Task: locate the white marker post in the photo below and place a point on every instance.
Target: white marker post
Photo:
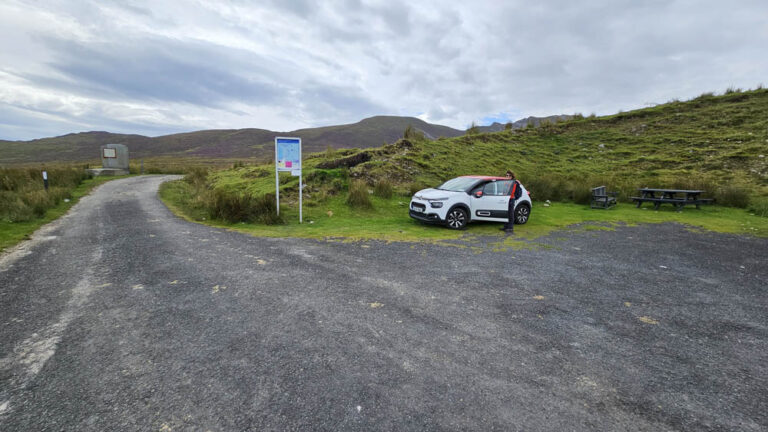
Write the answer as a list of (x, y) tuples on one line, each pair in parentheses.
[(288, 158)]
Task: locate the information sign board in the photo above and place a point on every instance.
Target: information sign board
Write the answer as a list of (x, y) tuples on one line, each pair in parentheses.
[(288, 152), (109, 153), (288, 158)]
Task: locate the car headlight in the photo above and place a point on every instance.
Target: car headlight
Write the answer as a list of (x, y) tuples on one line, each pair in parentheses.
[(436, 204)]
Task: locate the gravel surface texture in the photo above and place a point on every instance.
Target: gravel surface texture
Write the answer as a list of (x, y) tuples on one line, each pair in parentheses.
[(121, 316)]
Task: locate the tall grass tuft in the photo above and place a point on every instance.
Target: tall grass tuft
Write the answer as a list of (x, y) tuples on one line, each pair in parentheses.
[(415, 187), (732, 196), (759, 207), (412, 134), (23, 196), (197, 177), (358, 195), (383, 189), (233, 207)]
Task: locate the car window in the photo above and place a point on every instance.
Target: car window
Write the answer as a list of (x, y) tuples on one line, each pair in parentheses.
[(459, 184), (489, 188), (504, 187)]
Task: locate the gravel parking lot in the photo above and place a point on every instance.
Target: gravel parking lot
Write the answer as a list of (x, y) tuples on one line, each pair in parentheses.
[(121, 316)]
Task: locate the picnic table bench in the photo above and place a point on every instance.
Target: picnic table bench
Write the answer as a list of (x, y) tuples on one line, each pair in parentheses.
[(692, 197), (602, 199)]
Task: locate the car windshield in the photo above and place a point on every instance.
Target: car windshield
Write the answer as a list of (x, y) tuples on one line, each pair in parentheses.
[(459, 184)]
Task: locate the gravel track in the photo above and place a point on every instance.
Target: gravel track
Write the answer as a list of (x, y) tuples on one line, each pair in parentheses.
[(121, 316)]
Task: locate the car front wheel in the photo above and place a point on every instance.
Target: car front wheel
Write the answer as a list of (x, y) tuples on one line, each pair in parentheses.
[(456, 218), (521, 214)]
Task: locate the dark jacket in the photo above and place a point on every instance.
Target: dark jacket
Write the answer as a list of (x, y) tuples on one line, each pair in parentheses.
[(516, 191)]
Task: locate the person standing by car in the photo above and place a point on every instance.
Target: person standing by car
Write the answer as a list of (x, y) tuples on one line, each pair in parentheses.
[(515, 192)]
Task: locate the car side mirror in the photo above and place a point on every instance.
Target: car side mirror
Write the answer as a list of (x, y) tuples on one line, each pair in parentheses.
[(478, 194)]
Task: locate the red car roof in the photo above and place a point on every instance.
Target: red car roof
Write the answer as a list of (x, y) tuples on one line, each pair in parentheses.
[(485, 177)]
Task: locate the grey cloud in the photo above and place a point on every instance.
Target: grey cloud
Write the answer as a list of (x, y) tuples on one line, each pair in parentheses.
[(328, 103), (164, 70), (454, 61)]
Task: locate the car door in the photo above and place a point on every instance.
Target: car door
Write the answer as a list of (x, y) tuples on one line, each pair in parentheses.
[(490, 201)]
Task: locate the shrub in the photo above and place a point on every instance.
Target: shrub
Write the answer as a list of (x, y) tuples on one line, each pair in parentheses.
[(383, 189), (759, 207), (237, 207), (412, 134), (358, 195), (415, 187), (13, 209), (580, 193), (22, 196), (196, 177), (546, 187), (732, 196)]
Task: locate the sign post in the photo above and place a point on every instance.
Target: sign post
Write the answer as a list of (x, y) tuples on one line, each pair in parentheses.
[(45, 180), (288, 158)]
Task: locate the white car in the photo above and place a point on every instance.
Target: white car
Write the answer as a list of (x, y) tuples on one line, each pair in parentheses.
[(459, 201)]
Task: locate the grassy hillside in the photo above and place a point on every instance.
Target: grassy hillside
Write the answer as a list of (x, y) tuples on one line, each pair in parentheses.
[(209, 144), (715, 143)]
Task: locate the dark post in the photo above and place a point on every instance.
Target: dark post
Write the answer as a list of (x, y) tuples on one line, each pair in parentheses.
[(142, 166), (45, 180)]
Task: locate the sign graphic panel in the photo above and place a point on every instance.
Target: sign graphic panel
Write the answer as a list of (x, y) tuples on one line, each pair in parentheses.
[(288, 154)]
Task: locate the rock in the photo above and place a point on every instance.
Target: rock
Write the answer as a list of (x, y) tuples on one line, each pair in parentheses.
[(546, 205), (548, 202), (760, 156), (602, 146)]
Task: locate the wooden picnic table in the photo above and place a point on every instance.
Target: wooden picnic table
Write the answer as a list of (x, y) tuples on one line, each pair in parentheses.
[(659, 196)]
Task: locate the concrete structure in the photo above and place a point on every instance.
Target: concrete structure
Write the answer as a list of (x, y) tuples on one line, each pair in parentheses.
[(114, 161)]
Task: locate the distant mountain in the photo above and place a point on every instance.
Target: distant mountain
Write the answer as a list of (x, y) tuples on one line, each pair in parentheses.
[(227, 143), (536, 121)]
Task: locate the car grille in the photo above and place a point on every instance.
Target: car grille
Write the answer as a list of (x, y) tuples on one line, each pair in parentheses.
[(419, 206)]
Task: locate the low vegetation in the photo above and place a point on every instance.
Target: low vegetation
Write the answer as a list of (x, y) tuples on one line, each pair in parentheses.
[(712, 143), (25, 206), (23, 196), (358, 195)]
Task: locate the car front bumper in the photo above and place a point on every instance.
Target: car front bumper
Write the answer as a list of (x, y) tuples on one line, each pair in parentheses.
[(427, 213), (426, 217)]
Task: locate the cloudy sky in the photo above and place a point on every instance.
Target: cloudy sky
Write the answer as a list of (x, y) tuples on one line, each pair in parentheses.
[(156, 67)]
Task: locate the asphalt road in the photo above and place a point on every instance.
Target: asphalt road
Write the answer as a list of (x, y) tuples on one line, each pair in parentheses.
[(121, 316)]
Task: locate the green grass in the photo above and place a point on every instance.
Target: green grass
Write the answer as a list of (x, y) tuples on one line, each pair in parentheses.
[(388, 220), (713, 143), (12, 233)]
